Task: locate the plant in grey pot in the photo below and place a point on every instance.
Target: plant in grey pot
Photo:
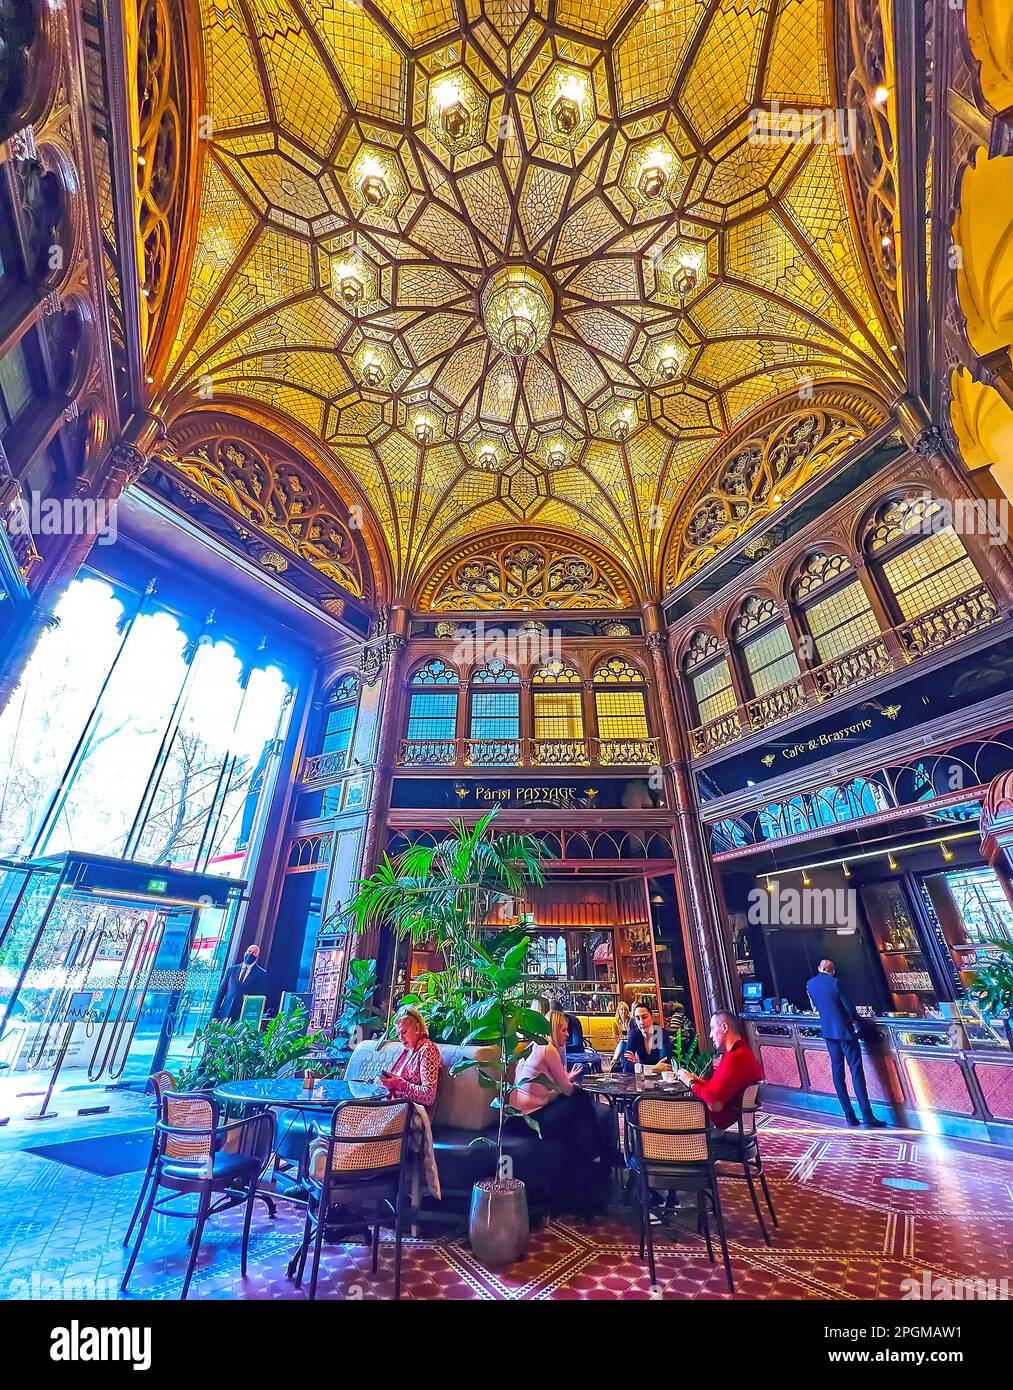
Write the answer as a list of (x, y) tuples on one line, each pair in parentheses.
[(501, 1020)]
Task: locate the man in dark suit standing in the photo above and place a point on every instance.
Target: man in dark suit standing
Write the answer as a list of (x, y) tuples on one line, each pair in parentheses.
[(838, 1024), (243, 978)]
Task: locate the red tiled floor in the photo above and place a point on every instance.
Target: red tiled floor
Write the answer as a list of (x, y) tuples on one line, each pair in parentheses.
[(844, 1234)]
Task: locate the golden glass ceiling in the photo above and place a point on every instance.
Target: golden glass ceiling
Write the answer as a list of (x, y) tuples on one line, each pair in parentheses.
[(512, 271)]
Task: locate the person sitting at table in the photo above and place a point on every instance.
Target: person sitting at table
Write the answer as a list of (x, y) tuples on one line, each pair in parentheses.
[(620, 1028), (415, 1075), (735, 1070), (544, 1089), (646, 1043)]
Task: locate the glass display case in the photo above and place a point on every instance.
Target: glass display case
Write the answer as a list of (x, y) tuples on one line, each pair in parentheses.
[(900, 950)]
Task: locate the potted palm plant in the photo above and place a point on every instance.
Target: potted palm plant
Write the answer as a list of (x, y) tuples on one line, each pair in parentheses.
[(441, 896), (503, 1021), (359, 1018)]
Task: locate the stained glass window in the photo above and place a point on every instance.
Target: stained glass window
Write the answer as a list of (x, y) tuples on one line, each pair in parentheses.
[(713, 691), (622, 714), (841, 621), (339, 723), (558, 715), (432, 715), (495, 714), (924, 575), (770, 660)]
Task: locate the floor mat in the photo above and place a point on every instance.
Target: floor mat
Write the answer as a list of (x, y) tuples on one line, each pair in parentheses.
[(107, 1156)]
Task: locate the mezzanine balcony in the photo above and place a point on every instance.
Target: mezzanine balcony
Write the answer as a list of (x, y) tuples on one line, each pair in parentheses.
[(941, 626), (529, 752)]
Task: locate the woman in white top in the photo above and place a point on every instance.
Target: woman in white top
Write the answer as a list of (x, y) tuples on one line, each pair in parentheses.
[(545, 1096)]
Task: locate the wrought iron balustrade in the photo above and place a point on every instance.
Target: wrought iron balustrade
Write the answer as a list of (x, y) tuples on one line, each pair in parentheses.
[(845, 672), (717, 733), (956, 618), (777, 704), (428, 752), (322, 765), (492, 752), (627, 752), (559, 752)]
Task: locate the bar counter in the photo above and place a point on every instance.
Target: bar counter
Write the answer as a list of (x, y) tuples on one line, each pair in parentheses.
[(939, 1075)]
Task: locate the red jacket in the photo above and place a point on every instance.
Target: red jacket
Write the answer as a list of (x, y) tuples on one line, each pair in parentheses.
[(736, 1069)]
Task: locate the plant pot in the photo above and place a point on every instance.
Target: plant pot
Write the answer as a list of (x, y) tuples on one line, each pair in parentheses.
[(498, 1222)]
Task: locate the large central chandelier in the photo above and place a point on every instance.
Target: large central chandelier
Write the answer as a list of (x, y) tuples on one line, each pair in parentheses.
[(517, 310)]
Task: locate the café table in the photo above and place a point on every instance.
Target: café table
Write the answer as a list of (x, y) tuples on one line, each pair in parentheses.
[(289, 1093)]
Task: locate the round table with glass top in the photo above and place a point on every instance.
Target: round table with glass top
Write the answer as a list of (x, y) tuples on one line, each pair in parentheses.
[(290, 1093)]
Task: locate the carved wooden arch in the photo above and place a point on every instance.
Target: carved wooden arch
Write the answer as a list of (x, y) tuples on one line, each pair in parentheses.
[(279, 489), (682, 648), (733, 612), (525, 570), (775, 451), (908, 490), (831, 549), (33, 57)]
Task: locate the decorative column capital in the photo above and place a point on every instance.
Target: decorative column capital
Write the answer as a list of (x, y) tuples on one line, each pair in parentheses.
[(127, 464)]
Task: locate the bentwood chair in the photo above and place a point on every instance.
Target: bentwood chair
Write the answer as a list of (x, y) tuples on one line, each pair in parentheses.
[(737, 1152), (158, 1083), (672, 1151), (362, 1163), (199, 1155)]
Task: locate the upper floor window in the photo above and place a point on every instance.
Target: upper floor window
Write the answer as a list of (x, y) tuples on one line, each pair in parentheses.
[(919, 557), (621, 712), (710, 678), (766, 645), (432, 713), (339, 720), (834, 606), (495, 714), (556, 672)]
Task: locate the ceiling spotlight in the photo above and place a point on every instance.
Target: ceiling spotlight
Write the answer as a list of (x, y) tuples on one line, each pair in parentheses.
[(945, 850), (350, 286), (671, 360), (373, 182), (892, 860), (372, 369), (847, 869), (422, 428), (622, 424), (568, 111), (767, 883), (454, 116), (487, 454), (655, 174), (557, 452), (806, 879)]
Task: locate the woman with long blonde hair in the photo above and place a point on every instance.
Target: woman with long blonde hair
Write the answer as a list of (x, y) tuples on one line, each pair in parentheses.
[(415, 1075)]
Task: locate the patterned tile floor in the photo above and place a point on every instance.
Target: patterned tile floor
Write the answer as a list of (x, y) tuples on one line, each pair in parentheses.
[(859, 1212)]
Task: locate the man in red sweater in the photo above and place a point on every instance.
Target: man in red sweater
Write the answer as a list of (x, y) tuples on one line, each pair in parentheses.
[(735, 1069)]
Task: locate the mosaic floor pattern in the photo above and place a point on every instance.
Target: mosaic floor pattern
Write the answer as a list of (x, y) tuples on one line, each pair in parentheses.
[(859, 1213)]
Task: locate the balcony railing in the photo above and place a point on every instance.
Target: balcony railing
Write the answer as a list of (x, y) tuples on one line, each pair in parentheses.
[(529, 752), (322, 765), (957, 618)]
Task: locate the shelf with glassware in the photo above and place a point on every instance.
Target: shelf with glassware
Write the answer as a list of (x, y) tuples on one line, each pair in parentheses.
[(901, 955)]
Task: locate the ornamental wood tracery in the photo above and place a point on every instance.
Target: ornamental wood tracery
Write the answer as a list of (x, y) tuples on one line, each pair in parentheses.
[(525, 571)]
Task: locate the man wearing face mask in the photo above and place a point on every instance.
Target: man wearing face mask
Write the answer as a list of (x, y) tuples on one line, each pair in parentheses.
[(243, 978)]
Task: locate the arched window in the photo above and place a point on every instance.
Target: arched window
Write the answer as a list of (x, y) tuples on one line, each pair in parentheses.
[(710, 678), (432, 711), (834, 607), (557, 711), (620, 703), (494, 723), (918, 557), (338, 727), (765, 644)]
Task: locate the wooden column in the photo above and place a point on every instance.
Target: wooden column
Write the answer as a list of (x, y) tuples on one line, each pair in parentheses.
[(710, 980), (382, 660)]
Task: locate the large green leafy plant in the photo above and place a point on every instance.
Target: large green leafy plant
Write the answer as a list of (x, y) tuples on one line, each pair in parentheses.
[(501, 1019), (441, 896), (992, 985), (239, 1051), (359, 1017)]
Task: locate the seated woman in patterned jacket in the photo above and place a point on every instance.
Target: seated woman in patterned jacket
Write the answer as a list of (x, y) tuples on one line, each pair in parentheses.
[(415, 1074)]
